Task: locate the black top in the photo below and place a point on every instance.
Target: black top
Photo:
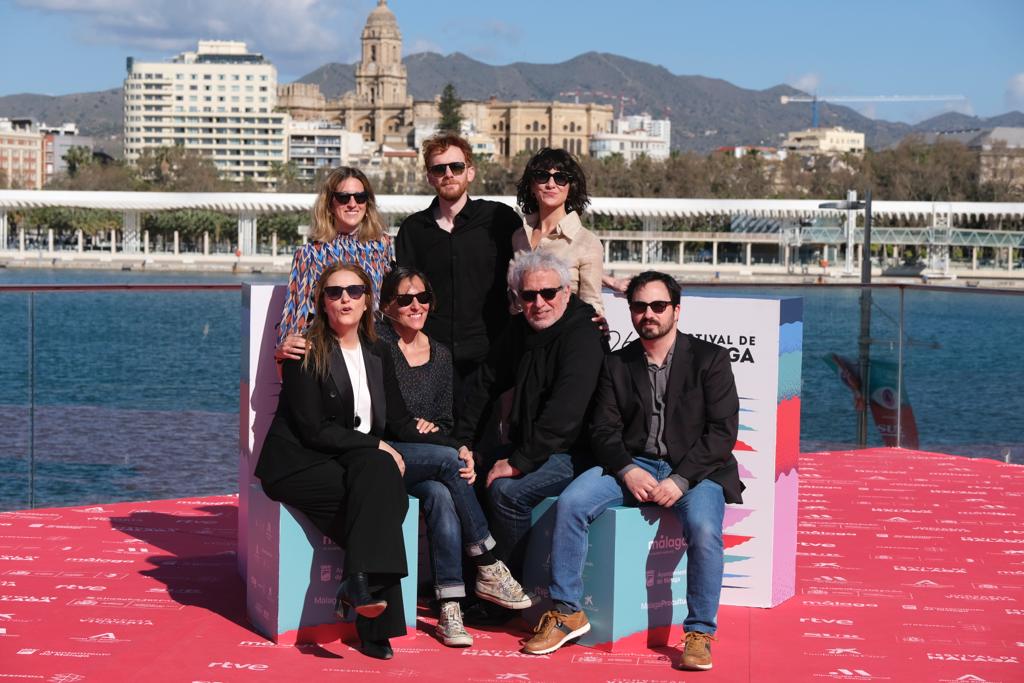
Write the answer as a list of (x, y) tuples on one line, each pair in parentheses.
[(315, 417), (554, 372), (467, 268), (427, 388)]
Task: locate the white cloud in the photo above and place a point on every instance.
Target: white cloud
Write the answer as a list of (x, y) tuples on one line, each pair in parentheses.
[(294, 34), (1014, 97), (808, 83), (421, 45)]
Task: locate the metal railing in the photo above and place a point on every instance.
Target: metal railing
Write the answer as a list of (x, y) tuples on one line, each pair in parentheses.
[(118, 392)]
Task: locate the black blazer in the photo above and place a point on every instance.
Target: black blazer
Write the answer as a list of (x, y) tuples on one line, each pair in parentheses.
[(314, 419), (701, 420)]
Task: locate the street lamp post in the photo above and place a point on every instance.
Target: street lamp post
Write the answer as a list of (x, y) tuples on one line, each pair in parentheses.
[(851, 206)]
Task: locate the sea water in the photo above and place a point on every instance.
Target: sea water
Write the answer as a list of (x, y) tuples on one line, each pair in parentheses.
[(131, 394)]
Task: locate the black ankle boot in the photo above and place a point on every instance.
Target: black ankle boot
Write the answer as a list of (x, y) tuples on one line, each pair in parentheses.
[(354, 593), (378, 649)]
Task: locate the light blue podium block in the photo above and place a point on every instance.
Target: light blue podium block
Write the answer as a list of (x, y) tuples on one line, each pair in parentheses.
[(293, 571), (634, 576)]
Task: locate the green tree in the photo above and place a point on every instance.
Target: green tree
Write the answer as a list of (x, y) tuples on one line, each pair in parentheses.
[(78, 158), (450, 107), (176, 169)]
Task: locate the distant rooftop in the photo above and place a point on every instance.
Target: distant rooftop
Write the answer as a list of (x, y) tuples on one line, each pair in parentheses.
[(982, 138), (220, 52)]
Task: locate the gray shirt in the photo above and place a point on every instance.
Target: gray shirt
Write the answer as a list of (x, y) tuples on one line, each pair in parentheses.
[(655, 447)]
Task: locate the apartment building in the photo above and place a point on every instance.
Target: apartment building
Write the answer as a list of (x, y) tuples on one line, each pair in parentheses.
[(318, 146), (634, 136), (57, 142), (21, 154), (219, 101), (827, 141)]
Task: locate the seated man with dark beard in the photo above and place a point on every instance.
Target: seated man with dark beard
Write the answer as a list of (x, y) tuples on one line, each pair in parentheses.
[(664, 424)]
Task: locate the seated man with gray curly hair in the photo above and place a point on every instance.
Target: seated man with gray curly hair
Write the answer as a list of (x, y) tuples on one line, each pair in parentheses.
[(551, 356)]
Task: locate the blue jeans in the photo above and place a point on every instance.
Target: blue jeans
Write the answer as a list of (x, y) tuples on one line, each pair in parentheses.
[(454, 519), (512, 500), (701, 510)]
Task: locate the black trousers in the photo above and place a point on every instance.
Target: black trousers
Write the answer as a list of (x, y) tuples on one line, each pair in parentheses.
[(360, 505)]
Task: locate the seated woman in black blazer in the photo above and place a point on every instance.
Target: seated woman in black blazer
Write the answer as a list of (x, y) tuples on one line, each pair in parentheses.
[(325, 453)]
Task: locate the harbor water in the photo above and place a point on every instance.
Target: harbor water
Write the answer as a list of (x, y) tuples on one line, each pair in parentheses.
[(134, 394)]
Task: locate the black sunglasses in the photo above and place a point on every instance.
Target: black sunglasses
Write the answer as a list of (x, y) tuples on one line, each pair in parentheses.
[(334, 292), (541, 177), (640, 307), (456, 167), (530, 295), (424, 298), (343, 197)]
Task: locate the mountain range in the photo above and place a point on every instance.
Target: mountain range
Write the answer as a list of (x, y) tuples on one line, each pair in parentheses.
[(706, 113)]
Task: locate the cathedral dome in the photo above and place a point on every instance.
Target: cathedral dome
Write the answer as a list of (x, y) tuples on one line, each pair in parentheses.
[(381, 16)]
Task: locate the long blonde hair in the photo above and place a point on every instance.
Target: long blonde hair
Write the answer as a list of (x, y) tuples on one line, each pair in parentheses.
[(320, 337), (322, 227)]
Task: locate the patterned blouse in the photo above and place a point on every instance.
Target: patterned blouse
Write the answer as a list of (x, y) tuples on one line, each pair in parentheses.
[(313, 258)]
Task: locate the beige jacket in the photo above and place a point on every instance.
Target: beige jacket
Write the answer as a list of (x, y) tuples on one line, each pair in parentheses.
[(577, 246)]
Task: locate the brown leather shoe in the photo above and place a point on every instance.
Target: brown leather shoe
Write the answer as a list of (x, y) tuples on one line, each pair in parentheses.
[(696, 652), (555, 630)]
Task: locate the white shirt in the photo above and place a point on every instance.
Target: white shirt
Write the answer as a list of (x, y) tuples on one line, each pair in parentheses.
[(360, 389)]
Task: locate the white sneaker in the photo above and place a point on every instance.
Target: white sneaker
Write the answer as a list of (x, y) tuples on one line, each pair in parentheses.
[(494, 583), (449, 626)]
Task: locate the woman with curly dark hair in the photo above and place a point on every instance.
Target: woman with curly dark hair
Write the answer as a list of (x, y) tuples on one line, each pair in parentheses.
[(552, 195)]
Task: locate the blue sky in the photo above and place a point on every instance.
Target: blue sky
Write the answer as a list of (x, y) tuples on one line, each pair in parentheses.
[(898, 47)]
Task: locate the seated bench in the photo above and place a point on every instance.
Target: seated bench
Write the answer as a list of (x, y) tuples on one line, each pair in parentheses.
[(293, 572)]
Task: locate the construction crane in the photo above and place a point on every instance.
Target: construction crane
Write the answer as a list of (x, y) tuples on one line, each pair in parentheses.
[(814, 99)]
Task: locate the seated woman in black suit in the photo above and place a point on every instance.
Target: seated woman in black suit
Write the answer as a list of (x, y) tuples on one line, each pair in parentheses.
[(325, 452)]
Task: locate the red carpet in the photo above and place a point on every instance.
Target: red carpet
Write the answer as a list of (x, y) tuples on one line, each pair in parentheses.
[(910, 568)]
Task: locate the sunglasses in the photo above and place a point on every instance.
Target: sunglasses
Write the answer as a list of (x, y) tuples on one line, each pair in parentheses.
[(334, 292), (640, 307), (541, 177), (456, 167), (424, 298), (530, 295), (343, 197)]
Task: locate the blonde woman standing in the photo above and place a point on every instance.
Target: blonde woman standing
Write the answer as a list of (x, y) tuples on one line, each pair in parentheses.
[(345, 227)]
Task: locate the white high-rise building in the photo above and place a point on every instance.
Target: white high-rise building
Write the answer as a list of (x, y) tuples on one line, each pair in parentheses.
[(218, 100)]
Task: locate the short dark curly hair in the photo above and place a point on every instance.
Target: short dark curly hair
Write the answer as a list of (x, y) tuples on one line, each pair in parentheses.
[(560, 160), (648, 276)]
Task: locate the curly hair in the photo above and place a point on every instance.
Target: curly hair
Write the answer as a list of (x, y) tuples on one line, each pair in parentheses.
[(560, 160), (439, 144)]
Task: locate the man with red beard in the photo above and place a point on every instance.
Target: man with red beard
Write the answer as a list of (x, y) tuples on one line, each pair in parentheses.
[(464, 246)]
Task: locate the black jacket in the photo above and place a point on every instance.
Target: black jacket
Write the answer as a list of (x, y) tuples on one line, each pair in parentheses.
[(466, 268), (314, 419), (554, 372), (701, 413)]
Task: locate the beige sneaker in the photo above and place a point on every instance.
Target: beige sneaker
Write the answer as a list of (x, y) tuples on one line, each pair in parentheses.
[(696, 652), (494, 583), (555, 630), (449, 626)]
